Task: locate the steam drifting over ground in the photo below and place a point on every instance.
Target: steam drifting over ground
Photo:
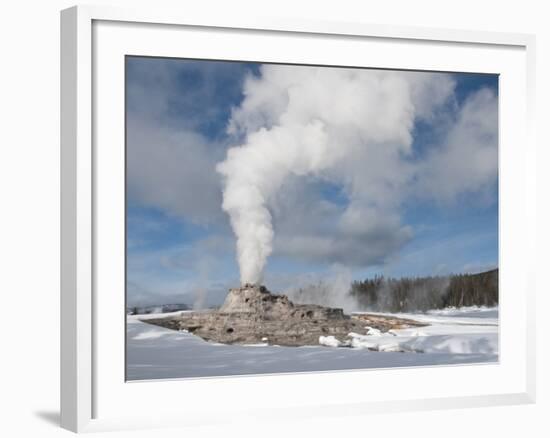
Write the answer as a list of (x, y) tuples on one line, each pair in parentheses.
[(331, 290)]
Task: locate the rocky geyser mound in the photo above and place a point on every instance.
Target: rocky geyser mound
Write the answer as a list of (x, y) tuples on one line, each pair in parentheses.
[(251, 314)]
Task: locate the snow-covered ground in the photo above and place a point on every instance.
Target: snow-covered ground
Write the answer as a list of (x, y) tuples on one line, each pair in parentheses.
[(454, 336)]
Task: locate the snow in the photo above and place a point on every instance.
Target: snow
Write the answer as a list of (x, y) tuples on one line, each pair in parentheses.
[(392, 346), (152, 334), (329, 341), (468, 330), (446, 344), (371, 331), (454, 336), (156, 315), (476, 311)]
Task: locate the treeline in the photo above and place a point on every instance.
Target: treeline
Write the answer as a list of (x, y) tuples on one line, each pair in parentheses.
[(423, 293)]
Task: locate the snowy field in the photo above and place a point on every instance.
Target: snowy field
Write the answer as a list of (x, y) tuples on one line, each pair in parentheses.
[(454, 336)]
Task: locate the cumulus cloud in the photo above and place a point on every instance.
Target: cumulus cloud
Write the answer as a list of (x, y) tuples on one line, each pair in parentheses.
[(183, 94), (466, 161), (173, 171), (310, 228), (176, 115)]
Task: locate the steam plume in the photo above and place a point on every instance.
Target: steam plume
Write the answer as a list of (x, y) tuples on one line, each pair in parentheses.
[(316, 121)]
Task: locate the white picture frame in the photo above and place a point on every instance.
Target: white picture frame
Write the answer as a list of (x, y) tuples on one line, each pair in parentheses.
[(93, 395)]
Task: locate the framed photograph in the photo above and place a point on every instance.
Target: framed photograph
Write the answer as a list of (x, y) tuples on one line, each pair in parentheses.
[(253, 209)]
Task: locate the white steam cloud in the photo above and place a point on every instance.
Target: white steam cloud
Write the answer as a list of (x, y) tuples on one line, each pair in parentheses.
[(330, 289), (350, 127)]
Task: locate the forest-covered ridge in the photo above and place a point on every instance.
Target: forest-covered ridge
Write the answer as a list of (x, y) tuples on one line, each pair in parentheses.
[(412, 294)]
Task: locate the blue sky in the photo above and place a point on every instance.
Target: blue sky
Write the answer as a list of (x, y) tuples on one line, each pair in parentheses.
[(180, 245)]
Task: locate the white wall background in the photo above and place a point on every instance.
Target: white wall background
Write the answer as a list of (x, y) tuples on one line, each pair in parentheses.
[(29, 216)]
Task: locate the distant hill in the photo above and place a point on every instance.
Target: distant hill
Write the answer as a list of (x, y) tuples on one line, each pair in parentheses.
[(410, 294)]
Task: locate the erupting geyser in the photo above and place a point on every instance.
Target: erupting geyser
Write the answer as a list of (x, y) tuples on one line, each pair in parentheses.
[(253, 173)]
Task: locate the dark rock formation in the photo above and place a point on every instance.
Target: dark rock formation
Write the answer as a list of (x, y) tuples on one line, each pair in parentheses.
[(251, 314)]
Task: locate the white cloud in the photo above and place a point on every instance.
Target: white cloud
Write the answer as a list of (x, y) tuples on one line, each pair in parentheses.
[(174, 111), (466, 161), (311, 229), (173, 171)]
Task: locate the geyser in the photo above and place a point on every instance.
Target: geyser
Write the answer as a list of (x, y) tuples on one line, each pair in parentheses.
[(252, 314)]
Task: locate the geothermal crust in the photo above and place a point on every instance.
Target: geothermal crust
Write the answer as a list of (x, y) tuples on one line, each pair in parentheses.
[(251, 314)]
